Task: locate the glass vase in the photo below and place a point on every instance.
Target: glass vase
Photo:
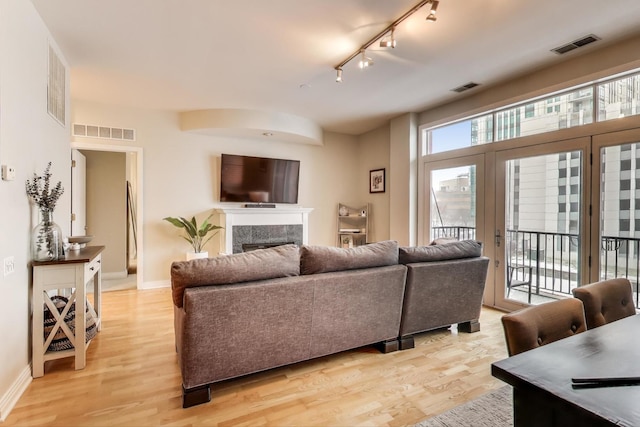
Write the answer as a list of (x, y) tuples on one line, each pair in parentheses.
[(46, 238)]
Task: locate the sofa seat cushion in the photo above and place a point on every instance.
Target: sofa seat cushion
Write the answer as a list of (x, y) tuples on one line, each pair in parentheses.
[(271, 263), (452, 250), (324, 259)]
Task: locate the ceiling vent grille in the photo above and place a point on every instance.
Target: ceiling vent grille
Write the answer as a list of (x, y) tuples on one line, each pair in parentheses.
[(575, 44), (464, 87), (91, 131)]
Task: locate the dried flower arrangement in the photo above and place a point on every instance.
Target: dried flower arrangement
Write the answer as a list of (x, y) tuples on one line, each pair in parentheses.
[(40, 191), (47, 236)]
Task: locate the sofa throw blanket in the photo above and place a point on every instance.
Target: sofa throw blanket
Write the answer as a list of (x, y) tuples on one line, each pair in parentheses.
[(261, 264), (324, 259), (442, 252), (60, 340)]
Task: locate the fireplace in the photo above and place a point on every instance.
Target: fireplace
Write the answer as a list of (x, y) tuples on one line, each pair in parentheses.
[(262, 227)]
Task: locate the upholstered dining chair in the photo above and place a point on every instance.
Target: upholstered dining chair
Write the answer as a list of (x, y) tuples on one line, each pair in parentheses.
[(542, 324), (606, 301)]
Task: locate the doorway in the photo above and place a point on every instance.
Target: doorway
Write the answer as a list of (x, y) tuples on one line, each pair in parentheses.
[(128, 186)]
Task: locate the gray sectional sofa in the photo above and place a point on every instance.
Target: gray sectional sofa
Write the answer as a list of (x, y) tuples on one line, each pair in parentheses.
[(249, 312)]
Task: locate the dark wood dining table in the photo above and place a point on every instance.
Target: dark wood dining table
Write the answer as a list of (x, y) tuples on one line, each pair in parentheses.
[(543, 393)]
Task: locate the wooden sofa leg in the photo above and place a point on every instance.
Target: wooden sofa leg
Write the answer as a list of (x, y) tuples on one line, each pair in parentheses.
[(407, 342), (471, 326), (388, 346), (195, 396)]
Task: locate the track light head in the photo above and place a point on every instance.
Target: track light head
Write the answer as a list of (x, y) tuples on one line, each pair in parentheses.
[(365, 61), (339, 75), (432, 17), (390, 42)]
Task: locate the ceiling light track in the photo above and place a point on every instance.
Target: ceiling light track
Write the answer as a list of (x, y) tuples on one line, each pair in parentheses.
[(386, 43)]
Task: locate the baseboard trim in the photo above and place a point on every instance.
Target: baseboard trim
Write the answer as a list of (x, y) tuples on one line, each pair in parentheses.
[(115, 275), (156, 284), (11, 397)]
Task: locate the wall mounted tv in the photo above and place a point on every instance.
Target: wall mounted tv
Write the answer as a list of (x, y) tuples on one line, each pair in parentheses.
[(258, 179)]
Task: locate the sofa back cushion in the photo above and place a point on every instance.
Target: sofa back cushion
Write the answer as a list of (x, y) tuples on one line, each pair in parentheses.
[(271, 263), (442, 252), (324, 259)]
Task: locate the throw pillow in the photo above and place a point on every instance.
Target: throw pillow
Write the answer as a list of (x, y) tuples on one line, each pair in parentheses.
[(323, 259), (451, 250), (271, 263)]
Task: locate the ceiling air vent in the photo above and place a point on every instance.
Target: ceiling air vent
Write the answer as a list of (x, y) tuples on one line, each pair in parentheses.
[(575, 44), (91, 131), (467, 86)]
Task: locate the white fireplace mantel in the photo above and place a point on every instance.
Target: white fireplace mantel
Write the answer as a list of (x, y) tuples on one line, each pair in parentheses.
[(234, 216)]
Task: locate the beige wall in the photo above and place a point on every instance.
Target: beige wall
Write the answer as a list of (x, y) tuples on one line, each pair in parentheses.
[(180, 176), (29, 138), (107, 209), (373, 153)]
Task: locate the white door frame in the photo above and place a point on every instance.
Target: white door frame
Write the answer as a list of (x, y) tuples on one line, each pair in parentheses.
[(139, 207)]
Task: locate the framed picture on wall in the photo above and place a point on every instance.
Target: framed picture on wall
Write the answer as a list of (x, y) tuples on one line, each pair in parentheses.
[(376, 181)]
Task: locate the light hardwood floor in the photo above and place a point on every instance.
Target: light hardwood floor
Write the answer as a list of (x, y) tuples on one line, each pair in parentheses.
[(132, 379)]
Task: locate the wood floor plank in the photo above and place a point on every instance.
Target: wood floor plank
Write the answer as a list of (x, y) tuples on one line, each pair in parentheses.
[(132, 378)]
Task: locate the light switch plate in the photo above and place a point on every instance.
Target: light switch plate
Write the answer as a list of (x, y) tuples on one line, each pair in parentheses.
[(8, 173)]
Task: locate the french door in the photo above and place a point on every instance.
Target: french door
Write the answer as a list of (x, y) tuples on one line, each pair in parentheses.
[(454, 201), (541, 238), (616, 206)]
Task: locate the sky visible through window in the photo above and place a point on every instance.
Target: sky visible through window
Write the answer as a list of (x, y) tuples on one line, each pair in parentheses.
[(448, 138), (451, 137)]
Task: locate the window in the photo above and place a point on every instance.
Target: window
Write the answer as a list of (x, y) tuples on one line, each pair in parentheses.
[(625, 184), (625, 204)]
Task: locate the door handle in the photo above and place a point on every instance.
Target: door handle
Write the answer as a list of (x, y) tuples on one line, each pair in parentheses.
[(498, 237)]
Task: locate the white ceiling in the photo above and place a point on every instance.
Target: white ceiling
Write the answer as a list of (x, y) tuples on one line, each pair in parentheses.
[(279, 55)]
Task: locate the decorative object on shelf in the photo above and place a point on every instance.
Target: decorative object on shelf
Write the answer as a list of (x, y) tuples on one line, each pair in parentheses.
[(78, 242), (46, 237), (352, 225), (197, 236), (377, 181)]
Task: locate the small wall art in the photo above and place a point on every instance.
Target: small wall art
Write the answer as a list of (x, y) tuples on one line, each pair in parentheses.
[(377, 181)]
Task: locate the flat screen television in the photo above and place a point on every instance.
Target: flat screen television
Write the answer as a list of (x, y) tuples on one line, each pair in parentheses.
[(258, 179)]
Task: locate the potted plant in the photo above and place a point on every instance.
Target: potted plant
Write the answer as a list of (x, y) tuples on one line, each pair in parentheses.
[(197, 236)]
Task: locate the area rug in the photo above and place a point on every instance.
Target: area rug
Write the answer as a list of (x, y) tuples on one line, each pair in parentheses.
[(493, 409)]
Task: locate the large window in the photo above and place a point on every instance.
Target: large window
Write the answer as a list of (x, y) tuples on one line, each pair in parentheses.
[(574, 107)]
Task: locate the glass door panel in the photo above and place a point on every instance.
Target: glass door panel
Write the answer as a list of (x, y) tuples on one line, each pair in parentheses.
[(453, 208), (617, 171), (539, 218)]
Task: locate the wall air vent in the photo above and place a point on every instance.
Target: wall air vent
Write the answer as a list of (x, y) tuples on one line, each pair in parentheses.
[(56, 87), (575, 44), (467, 86), (91, 131)]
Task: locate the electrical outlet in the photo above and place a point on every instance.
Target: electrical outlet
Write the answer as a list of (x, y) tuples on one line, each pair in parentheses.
[(9, 265)]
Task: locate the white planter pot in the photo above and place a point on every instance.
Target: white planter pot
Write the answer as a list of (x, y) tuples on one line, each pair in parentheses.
[(197, 255)]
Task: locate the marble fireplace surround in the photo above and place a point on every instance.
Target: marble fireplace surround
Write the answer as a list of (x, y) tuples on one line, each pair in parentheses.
[(242, 225)]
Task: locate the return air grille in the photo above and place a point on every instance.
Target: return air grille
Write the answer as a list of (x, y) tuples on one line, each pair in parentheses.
[(91, 131), (467, 86), (575, 44)]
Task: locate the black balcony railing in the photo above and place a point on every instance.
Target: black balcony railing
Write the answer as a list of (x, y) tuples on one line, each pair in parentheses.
[(554, 258)]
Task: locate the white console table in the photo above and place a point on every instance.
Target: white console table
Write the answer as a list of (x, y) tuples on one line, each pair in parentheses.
[(72, 272)]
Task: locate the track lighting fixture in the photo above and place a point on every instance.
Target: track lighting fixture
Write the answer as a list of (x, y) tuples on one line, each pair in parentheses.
[(432, 14), (365, 61), (390, 42)]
